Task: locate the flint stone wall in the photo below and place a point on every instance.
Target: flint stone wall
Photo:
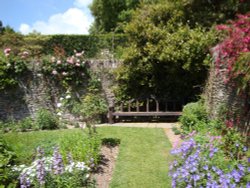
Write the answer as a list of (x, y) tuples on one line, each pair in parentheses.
[(35, 91), (219, 95)]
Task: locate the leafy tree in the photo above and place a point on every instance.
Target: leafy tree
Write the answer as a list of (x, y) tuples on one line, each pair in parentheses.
[(166, 56), (10, 39), (110, 15), (106, 14), (1, 27), (168, 48), (210, 12)]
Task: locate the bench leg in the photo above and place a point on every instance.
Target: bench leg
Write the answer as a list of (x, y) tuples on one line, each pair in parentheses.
[(111, 116)]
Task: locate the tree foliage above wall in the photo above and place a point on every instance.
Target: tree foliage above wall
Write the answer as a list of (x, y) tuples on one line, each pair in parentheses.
[(110, 15), (168, 53)]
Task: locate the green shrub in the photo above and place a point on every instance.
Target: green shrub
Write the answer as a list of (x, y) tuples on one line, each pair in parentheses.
[(8, 126), (234, 144), (7, 160), (194, 117), (111, 142), (46, 120), (12, 66), (91, 44), (82, 147), (91, 108), (26, 124)]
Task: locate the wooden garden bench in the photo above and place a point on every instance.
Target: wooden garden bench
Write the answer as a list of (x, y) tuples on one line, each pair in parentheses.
[(145, 108)]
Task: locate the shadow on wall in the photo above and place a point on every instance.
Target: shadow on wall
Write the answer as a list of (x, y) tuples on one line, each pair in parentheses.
[(13, 105)]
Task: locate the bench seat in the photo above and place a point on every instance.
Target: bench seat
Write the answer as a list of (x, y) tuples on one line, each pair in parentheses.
[(117, 113)]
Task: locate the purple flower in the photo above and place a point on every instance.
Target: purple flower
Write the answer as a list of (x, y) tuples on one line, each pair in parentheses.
[(233, 185), (173, 184), (40, 152), (57, 165), (205, 167), (241, 167), (248, 185), (219, 172), (196, 177), (212, 152), (24, 181), (40, 171), (244, 148), (236, 175)]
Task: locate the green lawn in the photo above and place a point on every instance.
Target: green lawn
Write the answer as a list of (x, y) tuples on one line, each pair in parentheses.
[(143, 157)]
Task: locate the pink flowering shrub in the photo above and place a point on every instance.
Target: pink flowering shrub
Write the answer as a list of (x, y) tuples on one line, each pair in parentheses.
[(235, 45), (233, 56), (12, 66), (67, 70)]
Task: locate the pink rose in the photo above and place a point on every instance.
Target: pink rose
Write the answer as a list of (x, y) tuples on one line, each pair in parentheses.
[(25, 53), (7, 50), (54, 72), (70, 60)]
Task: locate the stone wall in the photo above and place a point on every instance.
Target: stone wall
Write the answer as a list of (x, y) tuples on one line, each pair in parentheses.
[(219, 95), (35, 91)]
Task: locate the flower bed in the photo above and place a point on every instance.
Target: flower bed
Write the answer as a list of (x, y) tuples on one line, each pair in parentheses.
[(201, 162)]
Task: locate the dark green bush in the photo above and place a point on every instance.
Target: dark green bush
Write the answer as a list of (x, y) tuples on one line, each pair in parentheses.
[(26, 124), (111, 142), (46, 120), (194, 116), (7, 160)]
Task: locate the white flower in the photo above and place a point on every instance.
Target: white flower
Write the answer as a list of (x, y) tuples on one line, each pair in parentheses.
[(59, 105), (68, 97), (54, 72), (70, 167), (81, 166), (59, 113), (61, 98), (64, 73), (53, 59)]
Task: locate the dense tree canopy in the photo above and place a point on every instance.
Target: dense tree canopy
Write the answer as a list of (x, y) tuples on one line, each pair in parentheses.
[(110, 15), (168, 49)]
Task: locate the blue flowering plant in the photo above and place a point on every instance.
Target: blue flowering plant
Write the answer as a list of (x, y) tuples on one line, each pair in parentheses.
[(201, 162), (53, 171)]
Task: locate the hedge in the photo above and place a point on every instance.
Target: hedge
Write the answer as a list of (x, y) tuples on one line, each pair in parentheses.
[(91, 44)]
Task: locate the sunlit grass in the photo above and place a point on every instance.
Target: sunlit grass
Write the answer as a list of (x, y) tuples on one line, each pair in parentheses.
[(143, 156)]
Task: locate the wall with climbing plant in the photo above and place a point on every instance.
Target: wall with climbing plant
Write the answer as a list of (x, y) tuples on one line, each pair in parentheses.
[(54, 82), (227, 92)]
